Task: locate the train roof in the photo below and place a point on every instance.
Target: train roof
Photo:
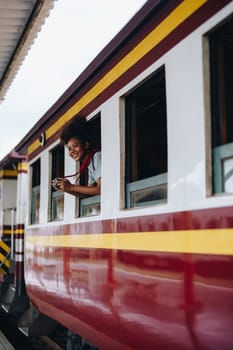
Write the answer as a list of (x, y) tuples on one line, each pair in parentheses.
[(11, 160), (20, 22)]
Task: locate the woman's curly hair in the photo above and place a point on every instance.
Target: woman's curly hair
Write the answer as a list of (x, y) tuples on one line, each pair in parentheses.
[(78, 128)]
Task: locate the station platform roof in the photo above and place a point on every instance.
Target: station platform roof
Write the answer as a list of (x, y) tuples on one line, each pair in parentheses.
[(20, 22)]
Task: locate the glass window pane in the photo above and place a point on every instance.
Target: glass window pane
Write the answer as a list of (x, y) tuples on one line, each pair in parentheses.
[(57, 206)]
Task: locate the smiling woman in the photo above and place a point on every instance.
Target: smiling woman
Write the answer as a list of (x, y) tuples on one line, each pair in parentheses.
[(77, 138)]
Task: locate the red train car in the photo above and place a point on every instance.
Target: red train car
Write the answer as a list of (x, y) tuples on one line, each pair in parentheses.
[(148, 263)]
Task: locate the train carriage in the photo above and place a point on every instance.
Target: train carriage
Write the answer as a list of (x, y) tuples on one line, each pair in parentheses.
[(147, 263)]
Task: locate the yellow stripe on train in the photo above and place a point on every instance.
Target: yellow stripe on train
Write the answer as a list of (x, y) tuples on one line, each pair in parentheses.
[(8, 173), (22, 167), (210, 241)]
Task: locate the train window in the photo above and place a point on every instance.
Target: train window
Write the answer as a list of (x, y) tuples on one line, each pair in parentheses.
[(57, 197), (221, 68), (146, 143), (90, 206), (35, 192)]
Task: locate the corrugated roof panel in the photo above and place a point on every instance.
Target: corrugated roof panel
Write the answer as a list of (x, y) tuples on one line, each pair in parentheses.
[(20, 22)]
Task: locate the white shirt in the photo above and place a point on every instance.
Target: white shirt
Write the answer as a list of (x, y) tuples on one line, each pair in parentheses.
[(94, 168)]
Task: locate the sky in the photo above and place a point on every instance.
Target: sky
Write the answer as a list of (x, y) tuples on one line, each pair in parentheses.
[(73, 34)]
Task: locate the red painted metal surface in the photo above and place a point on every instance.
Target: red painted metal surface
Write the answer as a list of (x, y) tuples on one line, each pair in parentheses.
[(120, 299)]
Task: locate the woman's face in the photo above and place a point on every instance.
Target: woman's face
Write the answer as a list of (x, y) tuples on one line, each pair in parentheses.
[(77, 149)]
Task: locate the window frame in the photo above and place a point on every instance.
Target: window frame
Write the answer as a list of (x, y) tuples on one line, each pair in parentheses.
[(81, 204), (35, 190), (152, 181), (220, 100), (54, 172)]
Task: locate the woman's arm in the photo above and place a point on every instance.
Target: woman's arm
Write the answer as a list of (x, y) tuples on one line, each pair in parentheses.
[(90, 190)]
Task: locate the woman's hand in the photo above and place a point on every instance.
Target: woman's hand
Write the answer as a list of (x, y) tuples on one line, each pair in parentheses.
[(81, 191), (61, 184)]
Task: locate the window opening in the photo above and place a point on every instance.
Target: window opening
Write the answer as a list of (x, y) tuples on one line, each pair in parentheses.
[(57, 197), (146, 143), (90, 206), (221, 68), (35, 192)]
